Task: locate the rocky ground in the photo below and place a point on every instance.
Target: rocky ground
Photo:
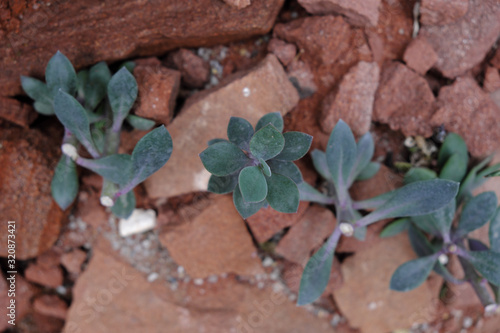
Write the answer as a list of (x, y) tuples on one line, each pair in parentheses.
[(397, 68)]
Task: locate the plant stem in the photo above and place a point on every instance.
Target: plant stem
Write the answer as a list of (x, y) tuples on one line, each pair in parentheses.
[(477, 283)]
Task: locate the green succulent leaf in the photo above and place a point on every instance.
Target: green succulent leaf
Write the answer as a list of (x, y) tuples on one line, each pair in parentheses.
[(369, 171), (317, 272), (453, 144), (39, 92), (494, 174), (365, 149), (341, 155), (239, 132), (419, 242), (81, 80), (267, 142), (477, 212), (418, 174), (320, 164), (216, 140), (286, 168), (455, 168), (95, 86), (122, 93), (273, 118), (74, 117), (395, 227), (487, 263), (472, 180), (360, 233), (222, 185), (140, 123), (282, 194), (297, 144), (266, 170), (477, 245), (309, 193), (252, 183), (246, 209), (64, 185), (439, 222), (494, 231), (60, 75), (124, 205), (115, 168), (412, 274), (419, 198), (223, 158)]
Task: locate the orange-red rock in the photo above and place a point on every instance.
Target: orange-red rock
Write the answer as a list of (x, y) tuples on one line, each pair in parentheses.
[(491, 79), (16, 112), (51, 306), (357, 12), (283, 50), (420, 56), (464, 108), (194, 70), (404, 100), (441, 12), (73, 261), (48, 276)]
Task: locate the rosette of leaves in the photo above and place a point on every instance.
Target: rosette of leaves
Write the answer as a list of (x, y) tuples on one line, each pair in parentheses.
[(344, 162), (92, 106), (434, 237), (257, 165)]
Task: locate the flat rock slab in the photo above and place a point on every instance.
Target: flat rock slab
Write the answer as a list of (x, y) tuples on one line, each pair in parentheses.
[(111, 296), (214, 242), (365, 298), (91, 31), (357, 12), (464, 43), (205, 116)]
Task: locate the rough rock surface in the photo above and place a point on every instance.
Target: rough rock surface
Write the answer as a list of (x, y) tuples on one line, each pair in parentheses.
[(357, 12), (73, 261), (28, 160), (205, 116), (404, 100), (283, 50), (384, 181), (89, 32), (267, 222), (463, 44), (352, 100), (51, 306), (420, 56), (302, 77), (158, 89), (308, 234), (113, 294), (464, 108), (441, 12), (491, 79), (214, 242), (238, 3), (365, 298), (16, 112), (194, 70), (24, 292), (48, 276)]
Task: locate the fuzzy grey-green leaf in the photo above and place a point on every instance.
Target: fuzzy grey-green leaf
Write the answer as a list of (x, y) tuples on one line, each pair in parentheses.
[(494, 232), (417, 174), (282, 194), (122, 93), (223, 184), (115, 168), (223, 158), (95, 86), (365, 150), (124, 205), (64, 185), (286, 168), (60, 74), (297, 144), (266, 170), (487, 263), (252, 183), (273, 118), (395, 227), (477, 212), (267, 142), (453, 144), (369, 171), (341, 154), (455, 168), (39, 92), (140, 123), (239, 132), (319, 162), (413, 273), (246, 209)]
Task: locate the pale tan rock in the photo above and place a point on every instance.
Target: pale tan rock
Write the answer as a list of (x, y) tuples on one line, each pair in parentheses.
[(51, 306), (205, 116)]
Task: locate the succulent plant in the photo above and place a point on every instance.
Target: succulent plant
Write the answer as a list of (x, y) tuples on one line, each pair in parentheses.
[(435, 237), (92, 106), (344, 162), (257, 165)]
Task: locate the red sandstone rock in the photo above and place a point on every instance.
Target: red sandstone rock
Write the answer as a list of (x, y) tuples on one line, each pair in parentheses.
[(214, 242), (238, 3), (384, 181), (24, 292), (420, 56), (89, 32), (404, 101), (28, 160), (491, 79), (194, 70), (267, 222), (50, 306), (158, 89), (463, 44), (283, 50), (73, 261), (352, 100), (16, 112), (263, 89), (357, 12), (464, 108), (309, 233), (46, 276), (302, 77), (441, 12)]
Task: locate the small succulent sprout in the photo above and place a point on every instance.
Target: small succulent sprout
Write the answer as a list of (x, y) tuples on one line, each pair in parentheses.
[(434, 236), (344, 162), (257, 165), (92, 106)]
